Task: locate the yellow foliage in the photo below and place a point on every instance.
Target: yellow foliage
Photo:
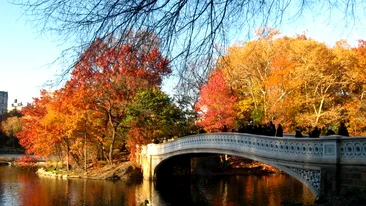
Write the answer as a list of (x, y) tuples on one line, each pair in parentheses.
[(297, 81)]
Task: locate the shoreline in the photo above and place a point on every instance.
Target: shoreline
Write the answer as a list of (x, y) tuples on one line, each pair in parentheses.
[(122, 171), (125, 169), (4, 163), (45, 173)]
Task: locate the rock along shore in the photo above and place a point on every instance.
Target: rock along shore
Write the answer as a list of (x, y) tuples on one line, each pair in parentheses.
[(125, 170), (4, 163)]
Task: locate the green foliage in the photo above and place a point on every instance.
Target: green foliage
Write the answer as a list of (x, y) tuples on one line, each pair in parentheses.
[(154, 113), (153, 117), (257, 116)]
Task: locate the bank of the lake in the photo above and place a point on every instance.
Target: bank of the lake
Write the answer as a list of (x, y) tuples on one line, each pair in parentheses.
[(4, 163), (127, 170), (124, 170)]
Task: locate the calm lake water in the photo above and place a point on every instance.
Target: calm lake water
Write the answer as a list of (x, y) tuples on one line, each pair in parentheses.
[(24, 187)]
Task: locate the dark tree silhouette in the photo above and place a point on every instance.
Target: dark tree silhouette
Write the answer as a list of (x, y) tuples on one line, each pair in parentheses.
[(188, 30)]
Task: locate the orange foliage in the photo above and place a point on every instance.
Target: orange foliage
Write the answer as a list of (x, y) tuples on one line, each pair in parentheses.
[(110, 76), (292, 81), (35, 136), (91, 107)]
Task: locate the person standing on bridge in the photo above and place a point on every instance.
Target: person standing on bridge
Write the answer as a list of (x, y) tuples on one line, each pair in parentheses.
[(298, 132), (342, 130), (224, 128), (279, 132), (330, 131), (315, 132), (242, 128), (271, 129)]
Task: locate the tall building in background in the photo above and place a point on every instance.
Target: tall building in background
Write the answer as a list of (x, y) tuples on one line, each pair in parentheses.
[(3, 102)]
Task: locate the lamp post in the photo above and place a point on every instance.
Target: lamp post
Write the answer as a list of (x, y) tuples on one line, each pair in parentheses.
[(15, 105)]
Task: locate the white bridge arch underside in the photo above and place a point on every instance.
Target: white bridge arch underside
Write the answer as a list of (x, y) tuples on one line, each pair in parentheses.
[(302, 158)]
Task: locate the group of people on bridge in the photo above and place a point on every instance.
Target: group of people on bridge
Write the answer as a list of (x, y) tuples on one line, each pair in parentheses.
[(270, 129), (316, 132)]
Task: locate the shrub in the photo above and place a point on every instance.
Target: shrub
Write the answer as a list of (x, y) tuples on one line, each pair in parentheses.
[(26, 161)]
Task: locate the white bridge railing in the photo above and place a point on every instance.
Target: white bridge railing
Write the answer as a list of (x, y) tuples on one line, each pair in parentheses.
[(328, 150)]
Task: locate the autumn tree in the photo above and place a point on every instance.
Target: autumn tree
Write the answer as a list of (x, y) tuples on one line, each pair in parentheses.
[(54, 124), (248, 71), (11, 126), (34, 136), (325, 81), (357, 105), (111, 76), (295, 81), (216, 106), (80, 138), (84, 119), (4, 137)]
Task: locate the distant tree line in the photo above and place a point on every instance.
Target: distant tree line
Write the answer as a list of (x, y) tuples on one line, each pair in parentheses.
[(9, 126)]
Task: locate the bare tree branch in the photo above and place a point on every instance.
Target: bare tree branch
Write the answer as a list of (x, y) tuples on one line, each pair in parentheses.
[(189, 30)]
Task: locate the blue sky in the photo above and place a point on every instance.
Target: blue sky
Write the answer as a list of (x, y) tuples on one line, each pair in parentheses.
[(25, 54)]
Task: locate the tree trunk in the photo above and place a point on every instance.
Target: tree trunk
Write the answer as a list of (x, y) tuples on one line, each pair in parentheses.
[(85, 154), (67, 155), (112, 144)]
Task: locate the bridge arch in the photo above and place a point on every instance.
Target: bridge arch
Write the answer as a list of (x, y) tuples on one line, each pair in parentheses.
[(311, 179), (312, 161)]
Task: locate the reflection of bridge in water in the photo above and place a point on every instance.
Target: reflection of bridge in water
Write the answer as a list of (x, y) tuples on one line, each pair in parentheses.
[(325, 164)]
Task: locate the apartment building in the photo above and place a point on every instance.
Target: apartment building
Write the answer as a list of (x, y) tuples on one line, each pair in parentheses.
[(3, 102)]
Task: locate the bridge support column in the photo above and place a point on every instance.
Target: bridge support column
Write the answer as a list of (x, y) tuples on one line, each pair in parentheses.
[(330, 180), (352, 176), (145, 161)]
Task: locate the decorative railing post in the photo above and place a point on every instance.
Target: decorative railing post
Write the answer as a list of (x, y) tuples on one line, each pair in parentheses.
[(331, 149)]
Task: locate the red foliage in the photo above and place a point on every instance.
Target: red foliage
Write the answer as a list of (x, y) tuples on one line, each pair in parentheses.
[(26, 161), (216, 105), (93, 102), (111, 75), (103, 61), (135, 139)]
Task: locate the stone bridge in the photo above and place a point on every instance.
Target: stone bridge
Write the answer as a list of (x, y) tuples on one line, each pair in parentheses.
[(325, 164)]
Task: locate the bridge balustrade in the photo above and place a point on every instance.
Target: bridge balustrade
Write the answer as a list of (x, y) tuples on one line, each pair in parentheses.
[(327, 150), (310, 160)]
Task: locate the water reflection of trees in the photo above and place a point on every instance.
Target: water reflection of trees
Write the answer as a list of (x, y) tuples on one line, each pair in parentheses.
[(234, 190), (24, 187)]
